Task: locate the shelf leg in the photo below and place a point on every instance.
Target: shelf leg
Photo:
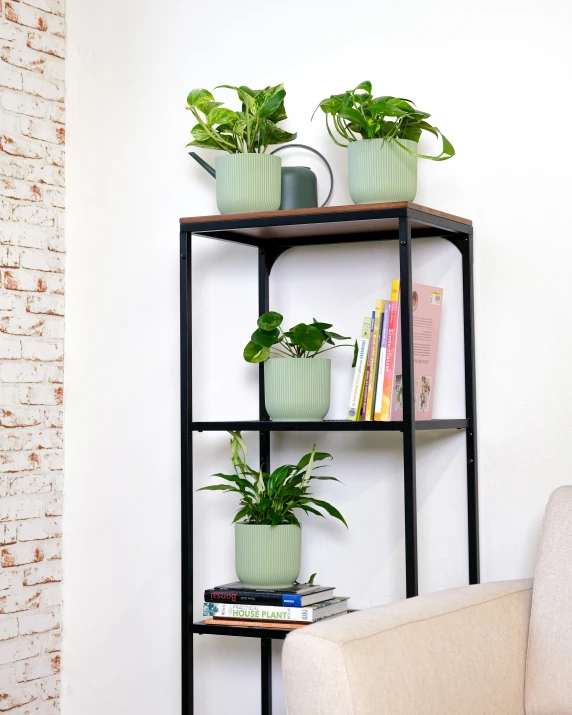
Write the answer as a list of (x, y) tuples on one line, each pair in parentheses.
[(471, 407), (264, 267), (186, 477), (409, 483), (266, 675)]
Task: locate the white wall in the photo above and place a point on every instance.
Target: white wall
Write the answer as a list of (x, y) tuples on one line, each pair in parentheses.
[(495, 77)]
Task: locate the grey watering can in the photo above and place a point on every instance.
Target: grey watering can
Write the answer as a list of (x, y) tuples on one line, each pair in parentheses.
[(299, 185)]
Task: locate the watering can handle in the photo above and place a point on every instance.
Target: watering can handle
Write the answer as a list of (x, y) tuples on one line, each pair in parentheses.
[(322, 157)]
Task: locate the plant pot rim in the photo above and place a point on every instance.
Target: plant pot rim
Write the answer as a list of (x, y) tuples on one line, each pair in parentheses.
[(379, 139), (289, 357), (266, 526), (246, 153)]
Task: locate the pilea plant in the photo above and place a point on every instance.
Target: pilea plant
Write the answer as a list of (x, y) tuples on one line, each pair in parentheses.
[(271, 499), (251, 130), (358, 114), (301, 341)]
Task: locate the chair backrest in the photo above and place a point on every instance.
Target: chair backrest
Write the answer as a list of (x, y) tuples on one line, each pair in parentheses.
[(548, 685)]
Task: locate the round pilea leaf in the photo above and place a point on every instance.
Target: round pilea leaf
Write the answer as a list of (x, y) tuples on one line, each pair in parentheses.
[(269, 321), (256, 353), (265, 337), (307, 337)]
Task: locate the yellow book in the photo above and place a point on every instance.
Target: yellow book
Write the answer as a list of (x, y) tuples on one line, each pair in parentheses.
[(379, 307), (359, 372)]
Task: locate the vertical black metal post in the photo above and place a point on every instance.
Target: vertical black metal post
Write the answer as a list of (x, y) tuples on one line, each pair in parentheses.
[(266, 675), (186, 475), (409, 484), (471, 407), (264, 267)]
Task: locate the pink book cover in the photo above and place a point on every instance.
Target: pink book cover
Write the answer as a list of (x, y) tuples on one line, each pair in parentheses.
[(426, 303)]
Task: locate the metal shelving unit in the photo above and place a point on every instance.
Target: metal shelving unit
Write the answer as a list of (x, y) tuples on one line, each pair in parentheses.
[(271, 234)]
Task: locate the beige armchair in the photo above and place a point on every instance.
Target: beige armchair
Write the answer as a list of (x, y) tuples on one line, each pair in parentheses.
[(492, 649)]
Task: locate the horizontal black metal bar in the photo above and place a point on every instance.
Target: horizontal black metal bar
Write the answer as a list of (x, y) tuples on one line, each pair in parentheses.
[(292, 220), (232, 237), (392, 235), (324, 426), (440, 222), (202, 628)]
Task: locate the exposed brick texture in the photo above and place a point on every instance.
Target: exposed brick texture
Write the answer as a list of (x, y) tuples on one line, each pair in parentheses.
[(32, 302)]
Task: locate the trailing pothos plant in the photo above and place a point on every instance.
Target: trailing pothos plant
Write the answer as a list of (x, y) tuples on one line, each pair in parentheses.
[(271, 499), (251, 130), (302, 341), (358, 114)]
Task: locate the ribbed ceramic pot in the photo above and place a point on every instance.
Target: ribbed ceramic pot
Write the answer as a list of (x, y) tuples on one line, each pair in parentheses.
[(247, 182), (381, 171), (267, 556), (297, 389)]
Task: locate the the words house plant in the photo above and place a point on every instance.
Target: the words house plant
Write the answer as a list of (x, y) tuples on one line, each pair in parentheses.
[(382, 135), (297, 379), (267, 530), (247, 178)]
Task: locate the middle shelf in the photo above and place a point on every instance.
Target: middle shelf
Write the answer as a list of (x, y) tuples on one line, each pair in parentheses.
[(324, 426)]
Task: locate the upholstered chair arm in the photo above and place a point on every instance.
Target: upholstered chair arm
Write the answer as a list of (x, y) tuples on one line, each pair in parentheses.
[(456, 652)]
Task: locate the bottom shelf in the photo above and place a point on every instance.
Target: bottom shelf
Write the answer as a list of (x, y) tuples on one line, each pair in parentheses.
[(278, 634), (201, 628)]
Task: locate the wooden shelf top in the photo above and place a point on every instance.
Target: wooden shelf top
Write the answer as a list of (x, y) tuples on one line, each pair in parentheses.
[(326, 221), (326, 210)]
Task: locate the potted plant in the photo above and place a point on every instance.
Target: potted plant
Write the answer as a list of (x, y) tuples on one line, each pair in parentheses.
[(297, 379), (247, 179), (382, 135), (268, 534)]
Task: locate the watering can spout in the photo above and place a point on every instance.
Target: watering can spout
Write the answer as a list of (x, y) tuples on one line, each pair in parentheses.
[(203, 163)]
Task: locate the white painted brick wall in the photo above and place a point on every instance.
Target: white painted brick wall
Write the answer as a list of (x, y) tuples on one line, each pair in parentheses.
[(32, 263)]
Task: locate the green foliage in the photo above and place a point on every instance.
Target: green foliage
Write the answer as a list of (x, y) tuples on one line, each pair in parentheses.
[(357, 113), (251, 130), (271, 499), (301, 341)]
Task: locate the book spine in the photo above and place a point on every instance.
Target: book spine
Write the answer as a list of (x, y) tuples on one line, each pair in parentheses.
[(390, 356), (367, 382), (381, 361), (374, 359), (251, 611), (359, 372), (259, 599)]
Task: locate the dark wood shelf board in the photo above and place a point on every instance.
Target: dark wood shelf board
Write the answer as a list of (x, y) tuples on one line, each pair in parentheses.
[(201, 628), (325, 426), (349, 223)]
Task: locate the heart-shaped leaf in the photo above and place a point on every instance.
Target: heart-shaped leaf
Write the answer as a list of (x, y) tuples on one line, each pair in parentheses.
[(221, 115), (197, 97), (364, 85)]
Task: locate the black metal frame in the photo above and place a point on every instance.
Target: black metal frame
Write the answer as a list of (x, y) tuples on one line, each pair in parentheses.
[(461, 235)]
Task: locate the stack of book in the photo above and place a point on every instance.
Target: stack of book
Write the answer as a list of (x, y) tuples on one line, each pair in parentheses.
[(234, 605), (377, 387)]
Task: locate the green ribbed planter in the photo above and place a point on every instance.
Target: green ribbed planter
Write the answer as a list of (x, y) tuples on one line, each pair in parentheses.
[(381, 171), (297, 389), (267, 556), (248, 182)]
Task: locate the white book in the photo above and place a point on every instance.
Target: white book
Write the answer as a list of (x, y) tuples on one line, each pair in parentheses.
[(246, 611), (359, 371)]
